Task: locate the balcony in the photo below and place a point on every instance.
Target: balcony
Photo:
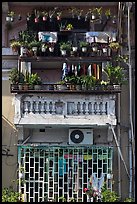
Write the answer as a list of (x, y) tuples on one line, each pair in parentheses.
[(66, 108)]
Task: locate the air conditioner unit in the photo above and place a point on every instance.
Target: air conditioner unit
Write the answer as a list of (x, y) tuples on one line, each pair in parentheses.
[(81, 136)]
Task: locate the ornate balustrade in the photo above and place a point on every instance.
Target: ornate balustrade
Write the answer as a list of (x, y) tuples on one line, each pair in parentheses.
[(64, 108)]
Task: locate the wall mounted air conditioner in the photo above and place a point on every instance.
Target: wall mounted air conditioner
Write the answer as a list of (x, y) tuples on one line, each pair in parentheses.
[(80, 136)]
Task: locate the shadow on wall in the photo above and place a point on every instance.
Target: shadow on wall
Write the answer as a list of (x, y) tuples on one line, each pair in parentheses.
[(9, 153)]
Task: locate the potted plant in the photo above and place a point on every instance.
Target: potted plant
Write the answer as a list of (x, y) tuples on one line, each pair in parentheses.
[(69, 26), (44, 15), (35, 80), (44, 47), (115, 74), (14, 78), (114, 46), (83, 45), (94, 47), (10, 16), (108, 13), (61, 85), (34, 45), (21, 80), (59, 15), (15, 45), (65, 47)]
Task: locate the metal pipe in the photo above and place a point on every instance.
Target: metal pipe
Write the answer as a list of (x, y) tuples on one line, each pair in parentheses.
[(131, 133), (118, 133)]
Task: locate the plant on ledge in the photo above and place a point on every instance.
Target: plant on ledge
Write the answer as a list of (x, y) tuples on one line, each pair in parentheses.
[(65, 47), (35, 81), (15, 45), (115, 74)]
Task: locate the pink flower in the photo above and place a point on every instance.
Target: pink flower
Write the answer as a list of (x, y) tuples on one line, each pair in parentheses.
[(85, 190)]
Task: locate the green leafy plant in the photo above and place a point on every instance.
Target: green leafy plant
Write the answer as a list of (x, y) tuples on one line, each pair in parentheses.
[(115, 74), (65, 46), (15, 45), (69, 26), (34, 79), (15, 77), (83, 44), (109, 196), (129, 200), (9, 195), (114, 45)]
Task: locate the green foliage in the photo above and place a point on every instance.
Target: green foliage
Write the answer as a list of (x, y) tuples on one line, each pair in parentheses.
[(15, 77), (83, 44), (65, 46), (88, 81), (115, 74), (109, 196), (34, 79), (129, 200), (9, 195)]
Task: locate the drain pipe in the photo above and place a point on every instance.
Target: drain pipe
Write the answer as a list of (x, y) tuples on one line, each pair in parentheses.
[(131, 134)]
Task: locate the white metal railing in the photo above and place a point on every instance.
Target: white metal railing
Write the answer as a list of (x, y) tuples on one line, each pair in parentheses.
[(64, 105)]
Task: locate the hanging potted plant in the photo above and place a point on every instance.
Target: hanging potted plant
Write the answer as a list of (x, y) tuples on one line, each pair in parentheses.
[(37, 15), (108, 13), (44, 15), (79, 13), (59, 15)]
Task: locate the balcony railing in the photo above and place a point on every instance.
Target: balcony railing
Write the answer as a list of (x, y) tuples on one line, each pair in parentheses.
[(62, 109), (67, 88)]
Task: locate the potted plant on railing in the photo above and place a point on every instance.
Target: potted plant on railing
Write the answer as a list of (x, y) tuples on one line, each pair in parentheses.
[(15, 45), (14, 78), (61, 85), (115, 74), (88, 82), (84, 46), (35, 45), (114, 46), (10, 16), (35, 80), (65, 48)]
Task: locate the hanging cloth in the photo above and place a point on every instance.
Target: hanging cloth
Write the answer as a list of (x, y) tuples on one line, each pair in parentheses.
[(64, 70)]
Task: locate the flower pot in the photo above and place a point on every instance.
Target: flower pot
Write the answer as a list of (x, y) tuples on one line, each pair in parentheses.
[(23, 51), (8, 18), (20, 86), (37, 87), (36, 20), (63, 52), (104, 50), (44, 18), (51, 49), (74, 49), (93, 16), (34, 49), (25, 87), (95, 49), (84, 49)]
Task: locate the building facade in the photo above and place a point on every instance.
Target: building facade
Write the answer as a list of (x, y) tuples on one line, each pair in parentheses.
[(55, 140)]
